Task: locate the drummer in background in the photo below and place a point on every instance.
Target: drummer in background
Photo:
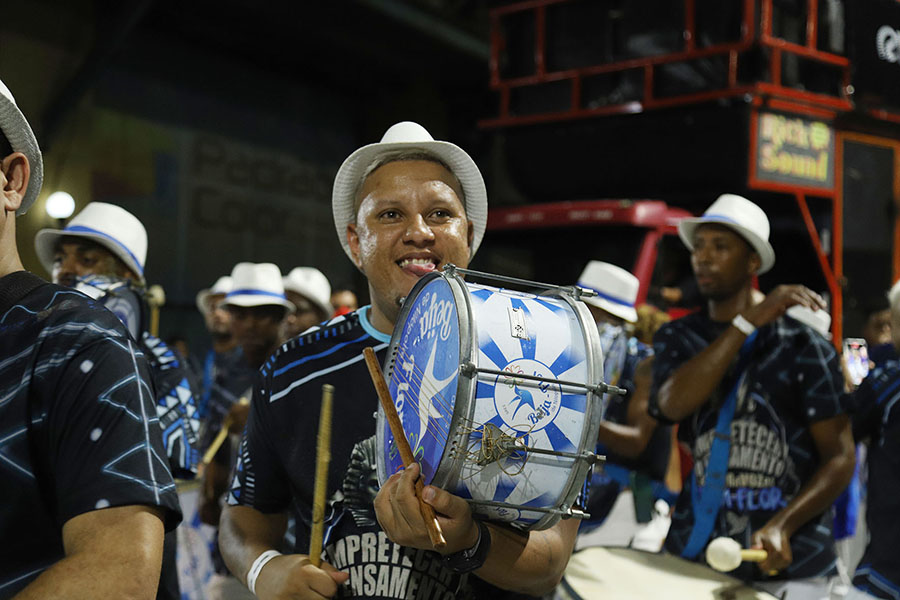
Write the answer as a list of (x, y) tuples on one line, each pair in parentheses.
[(403, 208), (629, 436), (257, 306), (746, 382), (225, 374), (310, 292)]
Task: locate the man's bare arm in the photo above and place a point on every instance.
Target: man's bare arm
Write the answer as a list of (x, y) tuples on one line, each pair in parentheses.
[(631, 439), (531, 563), (691, 385), (110, 553), (245, 533), (837, 459)]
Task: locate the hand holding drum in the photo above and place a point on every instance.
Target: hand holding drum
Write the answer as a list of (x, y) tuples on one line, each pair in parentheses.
[(725, 554)]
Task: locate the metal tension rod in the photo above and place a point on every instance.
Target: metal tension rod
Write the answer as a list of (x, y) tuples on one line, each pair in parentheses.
[(565, 513), (572, 290), (512, 446), (469, 369)]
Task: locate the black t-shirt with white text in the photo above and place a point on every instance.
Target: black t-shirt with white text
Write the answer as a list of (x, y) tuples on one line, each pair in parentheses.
[(277, 463)]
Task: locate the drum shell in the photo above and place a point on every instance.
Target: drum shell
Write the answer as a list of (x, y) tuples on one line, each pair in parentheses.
[(448, 474)]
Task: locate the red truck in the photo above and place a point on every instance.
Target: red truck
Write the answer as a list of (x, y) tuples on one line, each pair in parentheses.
[(552, 242)]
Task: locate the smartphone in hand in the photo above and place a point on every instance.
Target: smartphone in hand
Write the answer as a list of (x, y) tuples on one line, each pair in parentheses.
[(856, 357)]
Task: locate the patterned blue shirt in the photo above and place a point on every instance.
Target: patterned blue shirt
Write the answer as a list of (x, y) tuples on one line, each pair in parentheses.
[(78, 424), (876, 417)]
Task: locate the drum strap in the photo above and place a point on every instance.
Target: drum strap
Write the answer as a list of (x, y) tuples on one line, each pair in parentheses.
[(707, 500)]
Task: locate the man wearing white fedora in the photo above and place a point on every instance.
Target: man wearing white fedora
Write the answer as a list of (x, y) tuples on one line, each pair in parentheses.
[(101, 252), (80, 464), (225, 374), (756, 394), (629, 437), (310, 292), (403, 208), (257, 307)]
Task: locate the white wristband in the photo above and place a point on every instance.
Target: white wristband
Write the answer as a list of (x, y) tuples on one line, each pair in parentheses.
[(257, 566), (743, 325)]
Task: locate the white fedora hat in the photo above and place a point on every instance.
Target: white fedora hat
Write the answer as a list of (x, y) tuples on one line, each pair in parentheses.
[(311, 283), (222, 286), (616, 288), (257, 284), (109, 225), (17, 130), (403, 137), (737, 213)]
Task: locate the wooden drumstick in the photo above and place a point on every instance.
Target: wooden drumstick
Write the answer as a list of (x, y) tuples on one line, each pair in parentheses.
[(390, 411), (323, 459), (220, 438)]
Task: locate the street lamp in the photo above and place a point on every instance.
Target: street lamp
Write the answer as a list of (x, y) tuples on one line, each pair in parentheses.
[(60, 206)]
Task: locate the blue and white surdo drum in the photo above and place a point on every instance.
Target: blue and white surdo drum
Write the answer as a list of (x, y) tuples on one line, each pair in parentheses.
[(499, 393)]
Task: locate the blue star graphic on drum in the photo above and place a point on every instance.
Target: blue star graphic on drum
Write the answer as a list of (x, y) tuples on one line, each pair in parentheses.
[(428, 408)]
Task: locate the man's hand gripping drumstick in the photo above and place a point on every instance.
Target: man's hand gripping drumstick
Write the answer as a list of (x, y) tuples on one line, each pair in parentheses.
[(390, 411)]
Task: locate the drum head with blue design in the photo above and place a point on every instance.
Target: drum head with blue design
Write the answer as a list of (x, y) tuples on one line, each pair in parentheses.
[(537, 336), (424, 377)]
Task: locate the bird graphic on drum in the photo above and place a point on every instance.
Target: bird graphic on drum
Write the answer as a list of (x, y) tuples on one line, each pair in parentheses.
[(523, 397)]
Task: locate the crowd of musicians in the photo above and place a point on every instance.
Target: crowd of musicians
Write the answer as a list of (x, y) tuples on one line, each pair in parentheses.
[(740, 416)]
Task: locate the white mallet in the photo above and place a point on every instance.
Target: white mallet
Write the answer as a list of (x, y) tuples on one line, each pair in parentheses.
[(724, 554)]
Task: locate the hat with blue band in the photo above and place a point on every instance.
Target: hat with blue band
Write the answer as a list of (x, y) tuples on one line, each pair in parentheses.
[(740, 215), (257, 284), (108, 225), (616, 289)]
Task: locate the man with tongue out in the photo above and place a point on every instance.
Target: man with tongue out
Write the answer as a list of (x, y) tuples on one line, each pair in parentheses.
[(403, 208)]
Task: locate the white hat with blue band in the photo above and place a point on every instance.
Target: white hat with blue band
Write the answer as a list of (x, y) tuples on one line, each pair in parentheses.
[(740, 215), (108, 225), (616, 289), (257, 284)]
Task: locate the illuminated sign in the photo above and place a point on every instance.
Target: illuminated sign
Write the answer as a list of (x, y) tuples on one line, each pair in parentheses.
[(794, 151)]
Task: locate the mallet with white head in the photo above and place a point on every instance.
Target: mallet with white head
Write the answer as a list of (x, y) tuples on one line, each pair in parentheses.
[(725, 554)]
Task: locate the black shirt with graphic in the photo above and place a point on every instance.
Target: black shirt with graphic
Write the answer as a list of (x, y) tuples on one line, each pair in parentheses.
[(792, 381), (78, 424), (277, 463), (876, 417)]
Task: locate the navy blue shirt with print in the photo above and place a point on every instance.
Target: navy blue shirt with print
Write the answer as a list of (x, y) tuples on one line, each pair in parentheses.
[(792, 381), (876, 417), (78, 423), (277, 463)]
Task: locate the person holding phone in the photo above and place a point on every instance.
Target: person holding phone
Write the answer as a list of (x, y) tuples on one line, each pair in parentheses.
[(875, 406)]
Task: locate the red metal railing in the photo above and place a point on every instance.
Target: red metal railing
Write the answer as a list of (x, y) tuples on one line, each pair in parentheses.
[(795, 99)]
